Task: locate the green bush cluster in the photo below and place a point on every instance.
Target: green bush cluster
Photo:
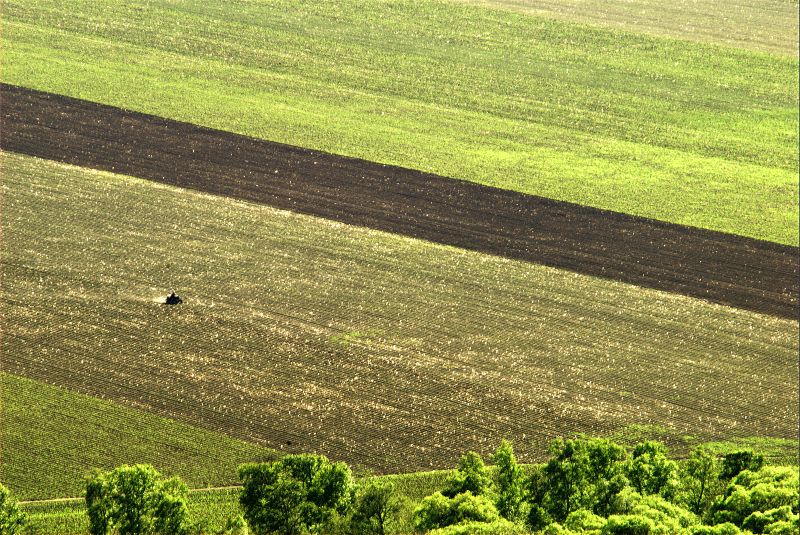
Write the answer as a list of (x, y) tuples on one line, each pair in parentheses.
[(589, 486), (595, 486)]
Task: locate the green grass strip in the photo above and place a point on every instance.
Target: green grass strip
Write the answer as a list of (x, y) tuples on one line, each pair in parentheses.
[(690, 133), (51, 437), (763, 25)]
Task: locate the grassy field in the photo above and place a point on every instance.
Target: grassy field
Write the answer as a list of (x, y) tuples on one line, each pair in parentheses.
[(307, 335), (762, 25), (697, 134), (46, 426)]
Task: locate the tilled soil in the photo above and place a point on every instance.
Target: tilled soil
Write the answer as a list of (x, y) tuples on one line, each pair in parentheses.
[(722, 268)]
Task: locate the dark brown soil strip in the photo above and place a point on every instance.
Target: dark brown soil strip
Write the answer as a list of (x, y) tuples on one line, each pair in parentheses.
[(722, 268)]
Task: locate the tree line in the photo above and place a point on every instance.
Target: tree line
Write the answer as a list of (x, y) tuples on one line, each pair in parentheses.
[(588, 486)]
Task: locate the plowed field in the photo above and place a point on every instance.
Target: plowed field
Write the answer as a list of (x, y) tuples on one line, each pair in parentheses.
[(723, 268), (398, 354)]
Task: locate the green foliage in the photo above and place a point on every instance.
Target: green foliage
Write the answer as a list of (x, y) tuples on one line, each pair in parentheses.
[(770, 488), (296, 493), (584, 521), (12, 519), (470, 476), (574, 471), (135, 500), (650, 471), (630, 525), (758, 521), (735, 462), (375, 508), (236, 525), (720, 529), (538, 517), (498, 527), (510, 483), (438, 511), (700, 480), (666, 517)]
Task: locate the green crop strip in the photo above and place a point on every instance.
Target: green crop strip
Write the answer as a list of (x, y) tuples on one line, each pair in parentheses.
[(51, 437), (695, 134), (763, 25), (307, 335)]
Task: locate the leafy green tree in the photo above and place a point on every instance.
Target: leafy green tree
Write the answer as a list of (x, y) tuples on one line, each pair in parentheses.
[(700, 480), (650, 471), (772, 487), (98, 502), (735, 463), (575, 470), (628, 525), (294, 494), (375, 508), (135, 500), (470, 476), (236, 525), (171, 515), (538, 517), (584, 520), (510, 483), (271, 498), (607, 494), (12, 520), (438, 511), (133, 493)]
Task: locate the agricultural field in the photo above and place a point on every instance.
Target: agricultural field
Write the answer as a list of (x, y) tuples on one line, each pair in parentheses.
[(302, 334), (721, 268), (402, 230), (697, 134), (72, 432), (765, 26)]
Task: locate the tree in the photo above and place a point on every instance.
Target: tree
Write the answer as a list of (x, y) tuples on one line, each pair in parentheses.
[(701, 480), (771, 488), (135, 500), (98, 502), (651, 472), (296, 493), (375, 508), (12, 520), (470, 477), (734, 463), (510, 481), (438, 511), (574, 474)]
